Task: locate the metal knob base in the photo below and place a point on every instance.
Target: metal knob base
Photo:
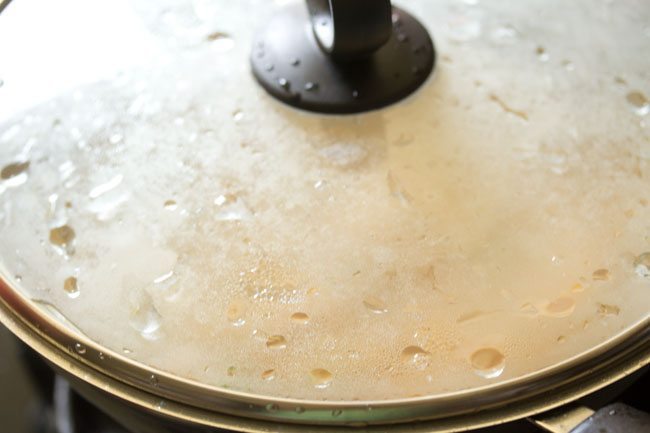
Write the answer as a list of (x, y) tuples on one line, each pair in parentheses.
[(292, 65)]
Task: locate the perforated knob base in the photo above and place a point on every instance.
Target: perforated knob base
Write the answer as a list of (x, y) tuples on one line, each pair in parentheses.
[(288, 62)]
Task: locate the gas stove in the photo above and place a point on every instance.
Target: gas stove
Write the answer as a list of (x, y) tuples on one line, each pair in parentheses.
[(35, 400)]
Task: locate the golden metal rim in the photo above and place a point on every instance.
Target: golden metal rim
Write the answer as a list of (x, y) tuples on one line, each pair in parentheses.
[(38, 330)]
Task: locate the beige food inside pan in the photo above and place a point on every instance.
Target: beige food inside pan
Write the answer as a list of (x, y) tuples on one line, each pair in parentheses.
[(495, 223)]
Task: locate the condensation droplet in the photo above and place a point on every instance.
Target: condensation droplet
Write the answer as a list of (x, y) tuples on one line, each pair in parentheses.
[(71, 287), (153, 380), (80, 349), (14, 170), (144, 316), (505, 34), (416, 356), (642, 265), (63, 237), (561, 339), (236, 312), (488, 362), (337, 412), (560, 307), (106, 187), (284, 83), (375, 305), (272, 407), (221, 41), (301, 318), (300, 409), (321, 378), (170, 205), (600, 275), (276, 342), (311, 87), (232, 370), (608, 310), (639, 102), (344, 155), (268, 375), (542, 55)]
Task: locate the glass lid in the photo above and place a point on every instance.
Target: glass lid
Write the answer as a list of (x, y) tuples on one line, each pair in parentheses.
[(156, 200)]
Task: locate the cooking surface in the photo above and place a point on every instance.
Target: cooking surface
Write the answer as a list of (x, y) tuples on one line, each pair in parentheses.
[(493, 224)]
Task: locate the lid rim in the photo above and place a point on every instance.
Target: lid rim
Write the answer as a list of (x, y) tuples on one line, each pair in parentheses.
[(17, 311)]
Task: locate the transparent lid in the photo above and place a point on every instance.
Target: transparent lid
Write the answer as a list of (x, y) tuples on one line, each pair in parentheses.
[(157, 201)]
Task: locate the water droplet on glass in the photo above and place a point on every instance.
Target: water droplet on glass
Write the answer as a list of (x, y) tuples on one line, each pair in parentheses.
[(102, 189), (375, 305), (63, 237), (232, 208), (15, 170), (600, 275), (608, 310), (337, 412), (416, 356), (80, 349), (560, 307), (238, 116), (355, 94), (295, 61), (220, 40), (236, 312), (272, 407), (488, 362), (284, 83), (126, 351), (170, 205), (577, 288), (542, 55), (311, 87), (561, 339), (232, 370), (71, 287), (153, 380), (276, 342), (344, 155), (268, 375), (401, 37), (568, 65), (642, 265), (321, 378), (505, 34), (115, 138), (464, 28), (269, 67), (300, 318), (639, 101), (300, 409), (144, 317)]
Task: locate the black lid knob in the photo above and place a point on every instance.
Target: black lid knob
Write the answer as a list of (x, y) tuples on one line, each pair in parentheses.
[(351, 29), (357, 55)]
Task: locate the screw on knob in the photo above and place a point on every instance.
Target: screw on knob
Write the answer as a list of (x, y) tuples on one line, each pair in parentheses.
[(351, 29)]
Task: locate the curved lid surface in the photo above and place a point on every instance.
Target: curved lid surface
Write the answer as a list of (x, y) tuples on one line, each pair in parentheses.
[(158, 202)]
